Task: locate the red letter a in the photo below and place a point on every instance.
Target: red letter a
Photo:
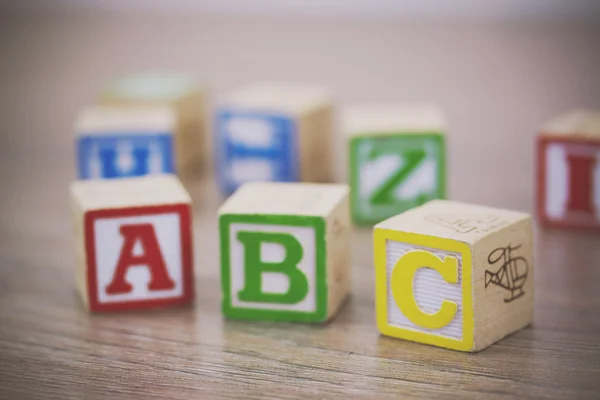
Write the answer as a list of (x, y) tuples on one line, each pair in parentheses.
[(580, 177), (152, 258)]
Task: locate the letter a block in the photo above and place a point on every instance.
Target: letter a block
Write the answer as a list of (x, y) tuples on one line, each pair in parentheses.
[(569, 171), (454, 275), (273, 132), (397, 159), (285, 251), (133, 243)]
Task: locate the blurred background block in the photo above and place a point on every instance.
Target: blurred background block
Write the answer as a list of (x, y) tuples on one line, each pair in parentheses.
[(568, 171), (397, 158), (186, 98), (115, 142), (274, 131)]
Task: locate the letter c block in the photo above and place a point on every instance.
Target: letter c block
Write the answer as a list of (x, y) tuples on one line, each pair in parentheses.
[(454, 275), (424, 289)]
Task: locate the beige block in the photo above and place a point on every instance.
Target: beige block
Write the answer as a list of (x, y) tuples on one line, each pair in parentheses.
[(309, 106), (188, 101), (379, 119), (156, 213), (577, 123), (313, 217), (487, 256), (338, 239), (316, 137)]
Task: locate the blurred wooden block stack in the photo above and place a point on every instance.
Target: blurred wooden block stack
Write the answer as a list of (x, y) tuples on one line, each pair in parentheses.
[(397, 158), (568, 180), (181, 93), (273, 132)]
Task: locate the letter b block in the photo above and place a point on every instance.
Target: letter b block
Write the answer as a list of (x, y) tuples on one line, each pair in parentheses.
[(454, 275), (133, 243), (284, 251)]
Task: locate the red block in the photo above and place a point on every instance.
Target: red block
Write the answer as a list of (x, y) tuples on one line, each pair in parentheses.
[(134, 243), (569, 171)]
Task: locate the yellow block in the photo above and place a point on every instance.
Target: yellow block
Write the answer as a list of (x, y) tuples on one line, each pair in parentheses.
[(425, 326)]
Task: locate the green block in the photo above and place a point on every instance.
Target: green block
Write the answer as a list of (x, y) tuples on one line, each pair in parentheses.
[(394, 172), (274, 267)]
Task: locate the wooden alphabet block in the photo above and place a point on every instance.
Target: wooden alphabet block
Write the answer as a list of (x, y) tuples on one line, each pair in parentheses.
[(187, 100), (569, 171), (454, 275), (273, 132), (284, 251), (116, 143), (133, 242), (397, 159)]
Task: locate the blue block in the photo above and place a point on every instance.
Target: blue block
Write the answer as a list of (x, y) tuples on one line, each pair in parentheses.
[(124, 155), (253, 146)]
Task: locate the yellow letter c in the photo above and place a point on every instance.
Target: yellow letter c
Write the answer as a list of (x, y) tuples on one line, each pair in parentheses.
[(401, 285)]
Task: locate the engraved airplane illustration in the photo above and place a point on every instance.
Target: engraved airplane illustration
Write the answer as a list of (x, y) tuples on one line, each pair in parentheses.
[(511, 275)]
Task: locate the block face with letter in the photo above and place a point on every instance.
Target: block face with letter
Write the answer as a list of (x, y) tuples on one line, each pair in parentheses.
[(397, 159), (284, 251), (273, 132), (569, 171), (116, 143), (133, 243), (454, 275), (256, 147)]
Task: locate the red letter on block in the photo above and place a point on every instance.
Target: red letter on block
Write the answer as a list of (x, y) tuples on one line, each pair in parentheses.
[(152, 258), (580, 187)]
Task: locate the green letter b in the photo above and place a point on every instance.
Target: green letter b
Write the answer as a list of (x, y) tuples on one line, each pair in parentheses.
[(254, 268)]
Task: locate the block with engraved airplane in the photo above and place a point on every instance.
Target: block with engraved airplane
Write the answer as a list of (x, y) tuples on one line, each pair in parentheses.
[(568, 171), (454, 275), (397, 159)]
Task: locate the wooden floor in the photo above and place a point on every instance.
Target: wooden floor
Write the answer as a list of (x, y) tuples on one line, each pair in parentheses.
[(50, 347)]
